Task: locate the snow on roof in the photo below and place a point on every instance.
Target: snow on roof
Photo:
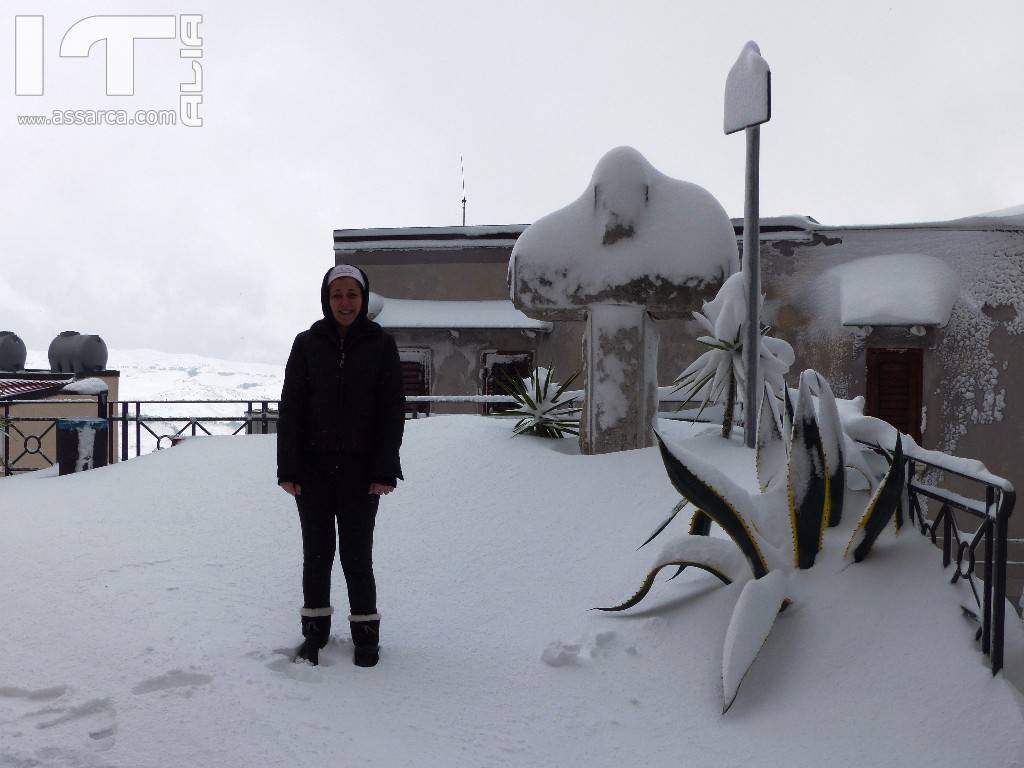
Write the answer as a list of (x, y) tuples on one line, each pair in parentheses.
[(896, 289), (1012, 217), (90, 386), (31, 387), (427, 238), (632, 223), (420, 313)]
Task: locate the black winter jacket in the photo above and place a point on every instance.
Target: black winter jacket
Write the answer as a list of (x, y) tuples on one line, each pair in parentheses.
[(341, 398)]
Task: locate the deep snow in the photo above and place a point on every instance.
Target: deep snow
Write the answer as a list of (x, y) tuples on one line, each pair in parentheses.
[(149, 608)]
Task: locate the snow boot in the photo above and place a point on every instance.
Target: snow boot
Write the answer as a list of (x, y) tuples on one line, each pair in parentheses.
[(316, 629), (365, 639)]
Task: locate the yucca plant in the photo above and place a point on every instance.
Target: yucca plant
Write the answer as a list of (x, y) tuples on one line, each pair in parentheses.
[(773, 532), (719, 374), (542, 410)]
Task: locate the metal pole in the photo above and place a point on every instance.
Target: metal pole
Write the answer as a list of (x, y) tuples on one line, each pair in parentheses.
[(752, 270)]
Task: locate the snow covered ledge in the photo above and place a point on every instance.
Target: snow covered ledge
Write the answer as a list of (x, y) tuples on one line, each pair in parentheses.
[(636, 242), (900, 289)]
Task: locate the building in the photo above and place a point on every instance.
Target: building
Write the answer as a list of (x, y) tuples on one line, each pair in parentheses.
[(923, 320)]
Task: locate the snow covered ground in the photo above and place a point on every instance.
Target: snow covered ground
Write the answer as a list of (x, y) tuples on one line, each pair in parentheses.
[(150, 609)]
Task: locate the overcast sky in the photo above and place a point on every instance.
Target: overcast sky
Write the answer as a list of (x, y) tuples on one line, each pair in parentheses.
[(324, 115)]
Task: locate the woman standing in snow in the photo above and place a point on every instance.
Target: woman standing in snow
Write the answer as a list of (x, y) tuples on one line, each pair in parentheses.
[(339, 433)]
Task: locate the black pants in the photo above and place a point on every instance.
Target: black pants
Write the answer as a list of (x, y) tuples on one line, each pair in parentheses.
[(338, 493)]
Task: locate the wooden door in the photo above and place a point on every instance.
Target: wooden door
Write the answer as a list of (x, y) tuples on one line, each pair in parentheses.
[(894, 388)]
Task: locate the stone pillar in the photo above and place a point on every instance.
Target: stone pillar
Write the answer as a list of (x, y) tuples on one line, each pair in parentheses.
[(620, 364)]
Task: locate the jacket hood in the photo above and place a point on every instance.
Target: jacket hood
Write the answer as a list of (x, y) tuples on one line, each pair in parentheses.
[(325, 303)]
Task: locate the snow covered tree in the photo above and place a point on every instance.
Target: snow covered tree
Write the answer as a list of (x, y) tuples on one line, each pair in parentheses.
[(719, 374)]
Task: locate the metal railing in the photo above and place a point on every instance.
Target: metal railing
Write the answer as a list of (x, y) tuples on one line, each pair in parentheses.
[(127, 417), (990, 538), (29, 448)]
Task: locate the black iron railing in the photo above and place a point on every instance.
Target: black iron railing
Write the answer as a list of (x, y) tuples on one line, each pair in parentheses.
[(987, 544), (127, 419)]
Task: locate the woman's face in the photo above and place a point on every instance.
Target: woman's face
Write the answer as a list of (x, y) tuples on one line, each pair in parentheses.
[(346, 297)]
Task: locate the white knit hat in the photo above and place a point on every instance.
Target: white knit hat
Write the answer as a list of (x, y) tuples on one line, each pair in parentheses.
[(345, 270)]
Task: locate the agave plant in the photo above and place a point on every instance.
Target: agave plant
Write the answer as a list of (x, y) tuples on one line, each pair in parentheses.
[(799, 455), (542, 410), (720, 372)]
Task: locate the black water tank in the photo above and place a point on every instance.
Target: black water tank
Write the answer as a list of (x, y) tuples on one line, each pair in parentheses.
[(74, 352), (12, 352)]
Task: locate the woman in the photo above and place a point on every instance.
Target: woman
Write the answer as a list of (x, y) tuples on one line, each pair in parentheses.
[(339, 432)]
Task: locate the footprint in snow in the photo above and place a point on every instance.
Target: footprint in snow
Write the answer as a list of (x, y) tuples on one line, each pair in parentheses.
[(173, 679), (561, 654), (32, 721)]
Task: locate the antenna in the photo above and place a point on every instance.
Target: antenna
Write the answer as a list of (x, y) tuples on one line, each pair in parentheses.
[(462, 174)]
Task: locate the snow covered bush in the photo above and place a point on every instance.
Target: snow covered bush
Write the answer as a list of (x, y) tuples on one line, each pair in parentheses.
[(720, 372), (800, 468), (540, 405)]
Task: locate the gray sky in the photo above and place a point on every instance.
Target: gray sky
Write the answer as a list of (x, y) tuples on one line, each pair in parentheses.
[(323, 115)]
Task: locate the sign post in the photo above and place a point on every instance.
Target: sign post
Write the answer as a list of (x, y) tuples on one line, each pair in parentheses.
[(748, 103)]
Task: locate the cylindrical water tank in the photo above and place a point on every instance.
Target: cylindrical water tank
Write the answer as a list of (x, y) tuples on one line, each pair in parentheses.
[(12, 352), (374, 305), (74, 352)]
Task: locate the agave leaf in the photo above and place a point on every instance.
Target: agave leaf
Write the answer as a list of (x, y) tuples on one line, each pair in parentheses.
[(699, 367), (866, 477), (752, 620), (565, 385), (664, 524), (720, 504), (832, 439), (700, 524), (716, 556), (770, 458), (882, 506), (703, 321), (787, 420), (806, 481)]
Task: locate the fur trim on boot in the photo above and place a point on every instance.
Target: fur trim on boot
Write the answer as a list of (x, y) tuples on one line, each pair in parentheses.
[(316, 628)]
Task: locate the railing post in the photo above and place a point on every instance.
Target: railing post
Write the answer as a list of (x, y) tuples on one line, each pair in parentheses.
[(265, 430), (986, 626), (947, 535), (7, 439), (999, 595), (138, 429), (124, 431)]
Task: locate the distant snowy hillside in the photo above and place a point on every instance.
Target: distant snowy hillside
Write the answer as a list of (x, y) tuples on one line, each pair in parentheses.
[(151, 375)]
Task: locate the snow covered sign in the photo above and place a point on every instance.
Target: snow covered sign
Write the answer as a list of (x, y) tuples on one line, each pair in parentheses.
[(748, 91), (636, 242), (748, 103)]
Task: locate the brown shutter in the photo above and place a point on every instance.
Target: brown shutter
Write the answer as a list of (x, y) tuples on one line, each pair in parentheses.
[(415, 379), (494, 365), (894, 388)]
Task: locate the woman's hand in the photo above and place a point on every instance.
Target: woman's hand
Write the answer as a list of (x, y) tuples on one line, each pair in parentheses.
[(292, 489), (379, 489)]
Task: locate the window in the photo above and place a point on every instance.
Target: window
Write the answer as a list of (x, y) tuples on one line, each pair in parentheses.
[(415, 379), (496, 364)]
